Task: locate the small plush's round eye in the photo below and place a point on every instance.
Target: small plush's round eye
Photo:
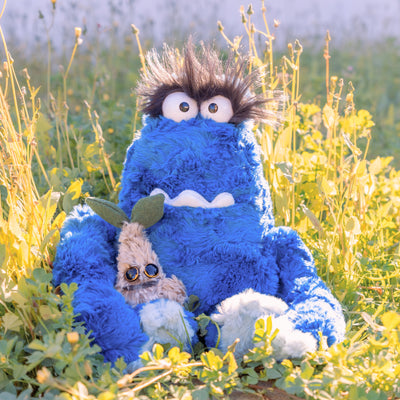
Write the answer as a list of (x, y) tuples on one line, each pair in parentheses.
[(132, 274), (179, 106), (151, 270), (218, 108)]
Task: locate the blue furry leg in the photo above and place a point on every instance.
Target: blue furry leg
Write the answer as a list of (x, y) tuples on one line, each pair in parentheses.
[(212, 336), (312, 307)]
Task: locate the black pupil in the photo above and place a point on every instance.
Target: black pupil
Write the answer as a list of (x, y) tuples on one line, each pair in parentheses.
[(151, 270), (213, 108), (184, 107), (132, 274)]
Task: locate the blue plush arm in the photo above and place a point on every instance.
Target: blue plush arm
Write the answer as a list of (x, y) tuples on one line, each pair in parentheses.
[(312, 307), (86, 255)]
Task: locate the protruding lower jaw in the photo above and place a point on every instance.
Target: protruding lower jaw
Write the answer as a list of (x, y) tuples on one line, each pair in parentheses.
[(190, 198)]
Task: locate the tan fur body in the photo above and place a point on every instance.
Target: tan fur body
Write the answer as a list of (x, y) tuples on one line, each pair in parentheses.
[(135, 251)]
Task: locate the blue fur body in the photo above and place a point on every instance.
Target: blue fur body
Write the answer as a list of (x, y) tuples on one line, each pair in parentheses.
[(216, 252)]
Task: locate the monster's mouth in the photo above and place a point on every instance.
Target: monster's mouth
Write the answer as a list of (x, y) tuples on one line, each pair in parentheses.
[(190, 198), (144, 285)]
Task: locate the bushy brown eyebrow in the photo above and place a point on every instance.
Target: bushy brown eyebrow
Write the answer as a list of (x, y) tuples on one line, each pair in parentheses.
[(202, 74)]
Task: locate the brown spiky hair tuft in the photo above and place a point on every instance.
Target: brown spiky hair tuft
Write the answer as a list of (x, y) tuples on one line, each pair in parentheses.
[(202, 74)]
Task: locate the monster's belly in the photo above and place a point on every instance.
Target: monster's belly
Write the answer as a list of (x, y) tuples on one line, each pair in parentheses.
[(216, 252)]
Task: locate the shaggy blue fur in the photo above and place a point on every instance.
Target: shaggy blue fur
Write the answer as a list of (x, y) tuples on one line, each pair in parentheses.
[(216, 252)]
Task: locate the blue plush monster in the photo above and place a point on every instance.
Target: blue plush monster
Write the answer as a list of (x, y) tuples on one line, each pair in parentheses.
[(217, 235)]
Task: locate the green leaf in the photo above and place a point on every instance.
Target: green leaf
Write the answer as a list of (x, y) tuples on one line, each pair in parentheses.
[(35, 359), (92, 150), (10, 344), (37, 345), (146, 357), (202, 393), (3, 255), (3, 193), (273, 373), (120, 364), (71, 197), (327, 187), (48, 313), (19, 371), (25, 395), (287, 170), (311, 216), (174, 354), (107, 210), (212, 361), (269, 326), (43, 125), (232, 364), (148, 210), (192, 303), (69, 290), (260, 324), (11, 322), (48, 205), (252, 377), (158, 351), (353, 226), (42, 276), (106, 396), (8, 396), (307, 370), (203, 320), (47, 239)]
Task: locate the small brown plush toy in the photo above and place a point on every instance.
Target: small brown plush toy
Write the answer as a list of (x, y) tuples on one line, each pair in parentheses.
[(140, 276)]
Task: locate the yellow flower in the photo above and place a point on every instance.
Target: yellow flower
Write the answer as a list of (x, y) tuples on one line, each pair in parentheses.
[(43, 375), (78, 32), (73, 337)]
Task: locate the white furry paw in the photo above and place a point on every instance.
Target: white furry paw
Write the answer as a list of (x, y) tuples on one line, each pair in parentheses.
[(237, 315), (291, 342), (164, 322)]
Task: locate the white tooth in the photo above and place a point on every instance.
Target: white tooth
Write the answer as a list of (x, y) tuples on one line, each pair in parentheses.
[(160, 191), (191, 198), (224, 199)]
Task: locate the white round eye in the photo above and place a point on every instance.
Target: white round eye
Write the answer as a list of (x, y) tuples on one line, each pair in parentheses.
[(218, 108), (179, 106)]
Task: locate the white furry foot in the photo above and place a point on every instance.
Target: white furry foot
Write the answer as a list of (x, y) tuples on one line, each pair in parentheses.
[(291, 342), (164, 322), (238, 314)]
